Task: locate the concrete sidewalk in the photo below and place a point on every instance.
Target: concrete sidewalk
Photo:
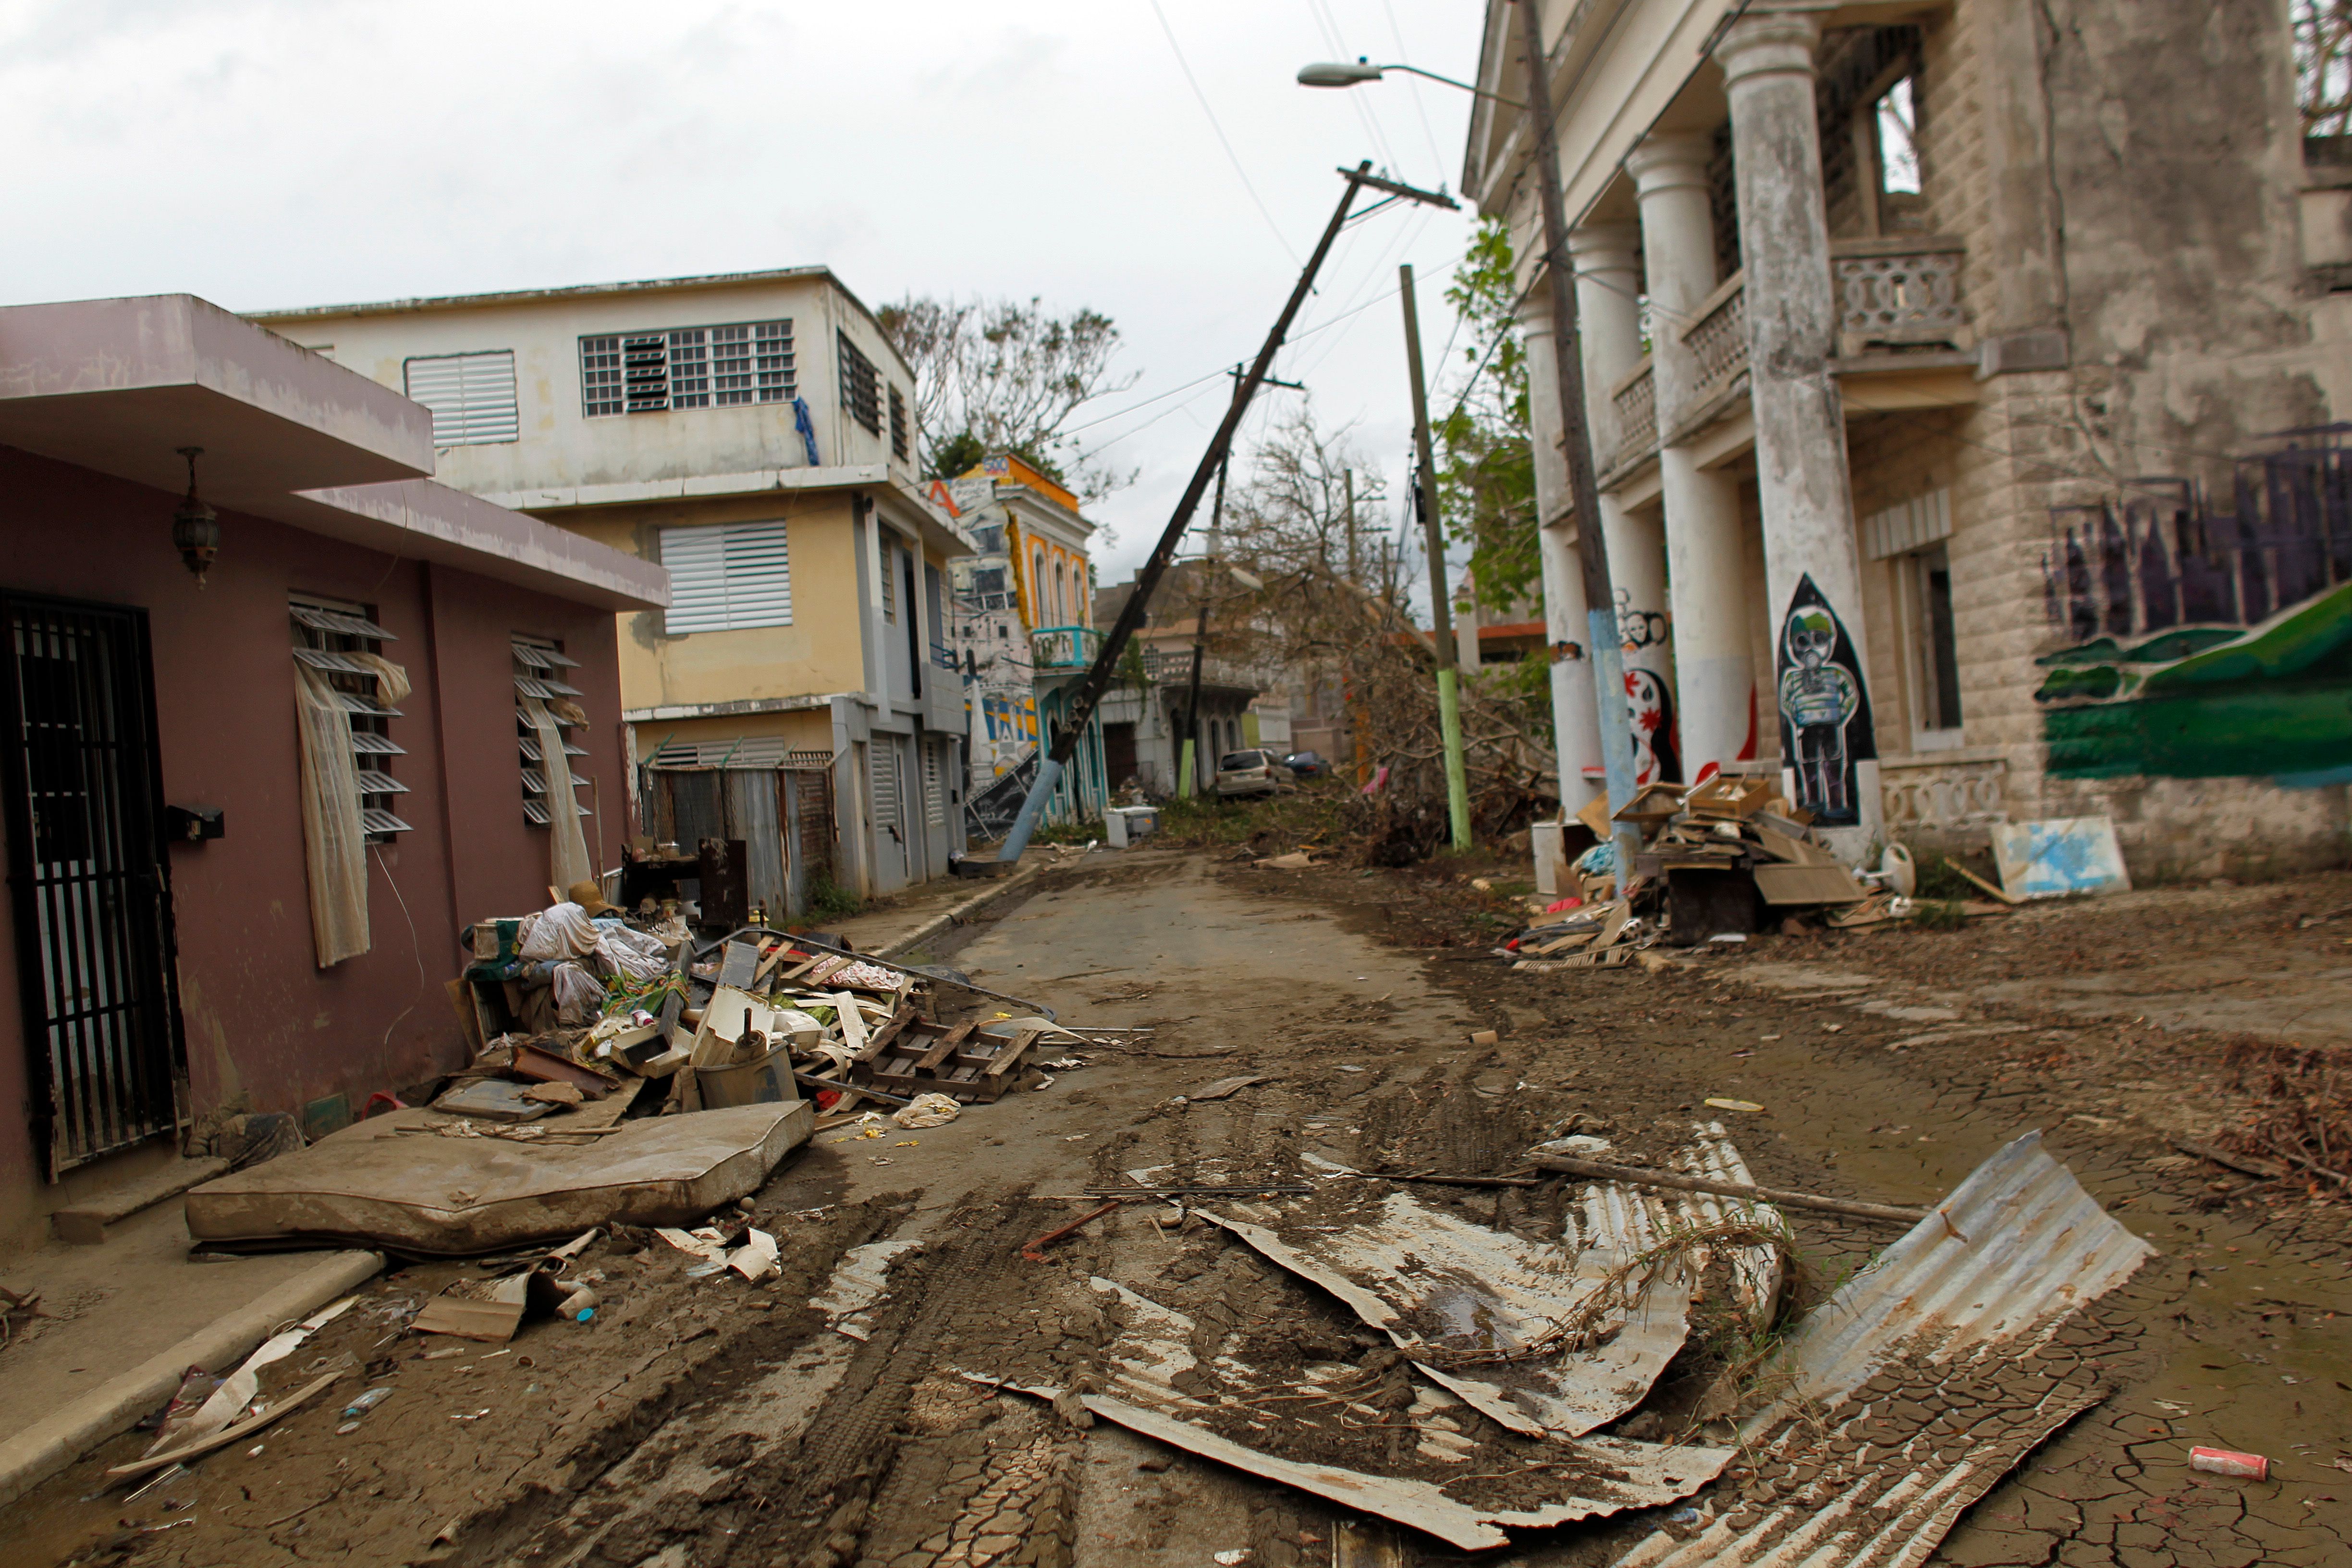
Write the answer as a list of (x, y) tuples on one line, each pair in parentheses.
[(127, 1319), (900, 923)]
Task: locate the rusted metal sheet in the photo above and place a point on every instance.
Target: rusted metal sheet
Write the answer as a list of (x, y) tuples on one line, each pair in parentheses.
[(1911, 1391), (1447, 1291)]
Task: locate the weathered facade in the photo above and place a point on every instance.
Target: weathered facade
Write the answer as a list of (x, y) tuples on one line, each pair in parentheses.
[(753, 433), (164, 952), (1148, 713), (1022, 629), (1952, 374)]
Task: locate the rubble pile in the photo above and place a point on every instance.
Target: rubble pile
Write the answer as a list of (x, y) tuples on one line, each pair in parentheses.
[(1409, 1360), (1719, 860)]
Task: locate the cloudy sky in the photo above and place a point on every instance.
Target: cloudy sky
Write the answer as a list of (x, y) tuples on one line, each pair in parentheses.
[(280, 153)]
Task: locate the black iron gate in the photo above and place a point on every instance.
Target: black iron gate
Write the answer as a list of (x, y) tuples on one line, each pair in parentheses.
[(89, 878)]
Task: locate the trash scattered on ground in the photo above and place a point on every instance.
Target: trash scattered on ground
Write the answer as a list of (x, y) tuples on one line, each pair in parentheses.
[(932, 1109), (1722, 1104), (2227, 1462)]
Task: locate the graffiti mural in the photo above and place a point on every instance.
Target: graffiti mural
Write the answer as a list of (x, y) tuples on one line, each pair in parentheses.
[(1651, 707), (2203, 643), (1825, 726)]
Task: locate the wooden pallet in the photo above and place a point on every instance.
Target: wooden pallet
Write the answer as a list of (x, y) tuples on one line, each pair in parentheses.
[(924, 1057)]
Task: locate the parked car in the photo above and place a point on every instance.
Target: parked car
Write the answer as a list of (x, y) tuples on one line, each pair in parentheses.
[(1252, 771), (1308, 765)]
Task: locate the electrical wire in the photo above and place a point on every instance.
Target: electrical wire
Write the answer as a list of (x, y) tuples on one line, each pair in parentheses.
[(1234, 158), (1329, 27), (1402, 52)]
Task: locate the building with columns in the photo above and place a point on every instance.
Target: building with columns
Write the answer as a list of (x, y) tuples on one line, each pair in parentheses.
[(1960, 381)]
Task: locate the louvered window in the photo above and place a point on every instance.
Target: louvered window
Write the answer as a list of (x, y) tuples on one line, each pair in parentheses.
[(687, 367), (331, 638), (861, 385), (472, 397), (897, 425), (728, 577), (539, 670)]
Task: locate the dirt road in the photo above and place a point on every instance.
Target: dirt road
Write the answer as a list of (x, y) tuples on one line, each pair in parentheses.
[(706, 1422)]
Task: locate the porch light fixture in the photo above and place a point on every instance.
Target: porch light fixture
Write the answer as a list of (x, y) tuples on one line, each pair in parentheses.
[(1350, 73), (196, 528)]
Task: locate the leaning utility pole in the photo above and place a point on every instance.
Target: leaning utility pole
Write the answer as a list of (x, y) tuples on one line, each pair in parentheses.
[(1441, 605), (1603, 641), (1089, 692)]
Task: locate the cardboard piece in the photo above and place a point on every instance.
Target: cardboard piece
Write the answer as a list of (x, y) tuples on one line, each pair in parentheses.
[(1594, 815), (456, 1197), (1725, 798), (1807, 885), (1794, 849), (493, 1320), (1652, 804)]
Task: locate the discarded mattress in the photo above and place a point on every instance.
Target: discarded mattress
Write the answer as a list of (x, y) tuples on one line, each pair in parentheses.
[(457, 1197), (1903, 1398)]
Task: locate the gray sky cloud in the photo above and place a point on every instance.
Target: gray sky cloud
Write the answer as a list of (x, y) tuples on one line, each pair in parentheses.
[(280, 153)]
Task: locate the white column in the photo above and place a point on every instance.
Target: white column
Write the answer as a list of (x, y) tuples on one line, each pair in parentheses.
[(1813, 567), (1607, 309), (1715, 680), (1576, 730)]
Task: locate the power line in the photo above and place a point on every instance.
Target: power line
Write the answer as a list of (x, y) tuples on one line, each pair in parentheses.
[(1234, 158), (1402, 52)]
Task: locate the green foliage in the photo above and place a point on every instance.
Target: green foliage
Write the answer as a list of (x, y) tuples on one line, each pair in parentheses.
[(1938, 914), (829, 902), (1486, 465), (1939, 880)]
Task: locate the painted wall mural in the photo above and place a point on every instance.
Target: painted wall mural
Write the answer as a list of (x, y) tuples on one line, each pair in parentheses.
[(1651, 705), (1825, 723), (2205, 644)]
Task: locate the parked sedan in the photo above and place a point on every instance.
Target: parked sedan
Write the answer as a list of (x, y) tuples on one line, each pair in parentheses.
[(1308, 765), (1252, 771)]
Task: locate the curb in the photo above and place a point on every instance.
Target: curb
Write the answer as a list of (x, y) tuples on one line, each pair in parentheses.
[(939, 922), (44, 1448)]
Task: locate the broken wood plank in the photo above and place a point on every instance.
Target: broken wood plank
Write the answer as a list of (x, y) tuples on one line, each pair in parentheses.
[(881, 1037), (737, 962), (235, 1432), (1602, 1171), (1981, 882), (853, 1024), (941, 1049)]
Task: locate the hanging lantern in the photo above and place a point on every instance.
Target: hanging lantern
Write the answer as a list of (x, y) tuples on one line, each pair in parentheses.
[(195, 530)]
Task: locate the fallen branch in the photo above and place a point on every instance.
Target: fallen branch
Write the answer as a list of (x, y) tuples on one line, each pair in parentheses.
[(1981, 882), (1601, 1170), (2246, 1164), (1458, 1180)]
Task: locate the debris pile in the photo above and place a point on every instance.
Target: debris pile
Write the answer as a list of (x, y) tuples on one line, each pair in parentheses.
[(1407, 1360), (1719, 860)]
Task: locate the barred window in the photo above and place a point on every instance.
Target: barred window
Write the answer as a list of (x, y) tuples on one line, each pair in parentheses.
[(687, 367), (897, 425), (861, 386), (330, 636)]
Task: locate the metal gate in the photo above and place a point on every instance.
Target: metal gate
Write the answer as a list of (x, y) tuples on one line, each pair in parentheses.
[(89, 878)]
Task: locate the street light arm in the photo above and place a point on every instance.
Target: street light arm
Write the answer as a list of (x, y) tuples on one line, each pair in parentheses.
[(1466, 87)]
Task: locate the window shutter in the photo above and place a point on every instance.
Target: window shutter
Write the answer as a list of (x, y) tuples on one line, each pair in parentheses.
[(728, 577), (472, 397)]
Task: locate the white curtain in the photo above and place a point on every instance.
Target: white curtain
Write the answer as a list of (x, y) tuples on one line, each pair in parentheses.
[(333, 842), (567, 846)]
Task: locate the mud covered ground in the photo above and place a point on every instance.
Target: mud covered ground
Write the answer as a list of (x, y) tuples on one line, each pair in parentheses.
[(707, 1422)]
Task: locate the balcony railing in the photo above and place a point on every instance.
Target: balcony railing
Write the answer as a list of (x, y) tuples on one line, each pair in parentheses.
[(1064, 648), (1932, 792), (1636, 399), (1893, 292)]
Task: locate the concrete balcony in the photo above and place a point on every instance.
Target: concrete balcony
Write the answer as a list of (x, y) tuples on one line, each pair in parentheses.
[(1899, 311)]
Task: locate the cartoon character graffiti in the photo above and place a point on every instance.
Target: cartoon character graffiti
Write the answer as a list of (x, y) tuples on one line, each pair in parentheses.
[(1651, 709), (1825, 726)]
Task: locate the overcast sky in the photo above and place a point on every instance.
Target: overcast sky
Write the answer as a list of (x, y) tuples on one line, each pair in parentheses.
[(281, 153)]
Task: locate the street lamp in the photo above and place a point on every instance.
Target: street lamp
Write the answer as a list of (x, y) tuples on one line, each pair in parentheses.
[(1603, 640), (1347, 73)]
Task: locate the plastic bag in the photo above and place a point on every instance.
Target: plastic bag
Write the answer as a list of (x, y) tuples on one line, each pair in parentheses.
[(928, 1111), (579, 995), (562, 932)]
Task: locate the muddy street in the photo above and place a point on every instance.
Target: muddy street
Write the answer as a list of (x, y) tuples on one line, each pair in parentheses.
[(869, 1406)]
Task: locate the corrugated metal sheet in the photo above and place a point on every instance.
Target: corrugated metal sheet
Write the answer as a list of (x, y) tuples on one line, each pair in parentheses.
[(1847, 1478), (1153, 1354), (2036, 1246), (1429, 1278)]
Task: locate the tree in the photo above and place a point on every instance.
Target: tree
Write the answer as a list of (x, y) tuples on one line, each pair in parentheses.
[(1004, 376), (1486, 467)]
